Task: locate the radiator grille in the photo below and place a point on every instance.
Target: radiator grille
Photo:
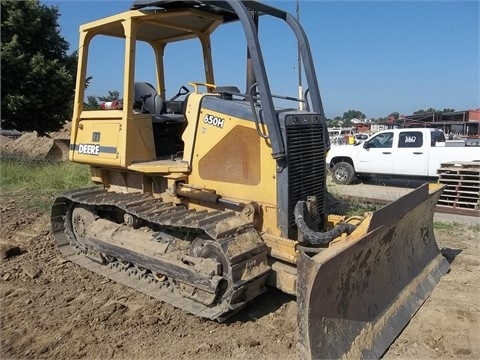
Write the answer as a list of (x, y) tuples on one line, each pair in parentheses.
[(306, 168)]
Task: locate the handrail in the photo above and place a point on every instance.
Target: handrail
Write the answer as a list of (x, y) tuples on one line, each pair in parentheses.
[(254, 112)]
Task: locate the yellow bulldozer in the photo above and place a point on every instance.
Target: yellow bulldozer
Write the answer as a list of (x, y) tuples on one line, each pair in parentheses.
[(206, 199)]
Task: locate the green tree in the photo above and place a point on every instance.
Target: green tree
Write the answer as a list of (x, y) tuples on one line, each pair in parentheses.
[(112, 96), (38, 76), (93, 101), (333, 123), (429, 110), (394, 114), (352, 114)]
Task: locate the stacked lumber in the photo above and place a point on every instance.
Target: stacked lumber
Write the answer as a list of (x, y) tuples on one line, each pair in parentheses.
[(462, 180)]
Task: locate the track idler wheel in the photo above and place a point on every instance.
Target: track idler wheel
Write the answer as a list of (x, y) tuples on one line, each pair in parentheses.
[(81, 218)]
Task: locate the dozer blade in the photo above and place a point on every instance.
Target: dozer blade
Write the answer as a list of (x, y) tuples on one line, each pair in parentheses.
[(355, 297)]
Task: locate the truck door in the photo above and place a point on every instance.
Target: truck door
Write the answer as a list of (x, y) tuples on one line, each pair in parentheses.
[(410, 157), (376, 157)]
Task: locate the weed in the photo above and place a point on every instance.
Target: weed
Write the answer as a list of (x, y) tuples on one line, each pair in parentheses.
[(446, 226), (41, 179), (354, 208), (454, 226), (475, 228)]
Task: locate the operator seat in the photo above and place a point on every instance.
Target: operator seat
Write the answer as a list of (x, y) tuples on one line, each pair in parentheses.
[(154, 103), (167, 127)]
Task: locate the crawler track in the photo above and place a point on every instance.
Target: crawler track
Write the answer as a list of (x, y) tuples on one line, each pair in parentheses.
[(222, 240)]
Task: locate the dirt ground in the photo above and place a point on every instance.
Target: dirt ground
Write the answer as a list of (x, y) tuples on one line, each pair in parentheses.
[(54, 309)]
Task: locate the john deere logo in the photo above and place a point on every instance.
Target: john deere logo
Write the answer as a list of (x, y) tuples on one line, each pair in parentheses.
[(88, 149)]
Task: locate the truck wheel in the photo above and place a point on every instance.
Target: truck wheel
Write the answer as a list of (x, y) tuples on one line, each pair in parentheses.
[(343, 173)]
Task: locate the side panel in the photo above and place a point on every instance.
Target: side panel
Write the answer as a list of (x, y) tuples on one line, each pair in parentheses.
[(139, 142), (97, 142), (105, 138), (230, 157)]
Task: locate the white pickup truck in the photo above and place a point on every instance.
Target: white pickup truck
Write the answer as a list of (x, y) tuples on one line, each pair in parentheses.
[(413, 152)]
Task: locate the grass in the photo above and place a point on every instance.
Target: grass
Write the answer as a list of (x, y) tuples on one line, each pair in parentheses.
[(357, 207), (446, 226), (452, 226), (41, 179), (352, 206), (475, 228)]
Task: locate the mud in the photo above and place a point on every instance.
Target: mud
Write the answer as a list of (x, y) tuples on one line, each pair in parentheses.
[(54, 309)]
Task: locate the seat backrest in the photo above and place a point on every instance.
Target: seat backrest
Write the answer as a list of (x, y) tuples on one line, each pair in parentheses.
[(154, 103)]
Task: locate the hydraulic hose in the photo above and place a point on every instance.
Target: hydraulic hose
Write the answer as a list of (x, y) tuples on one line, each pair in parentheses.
[(314, 237)]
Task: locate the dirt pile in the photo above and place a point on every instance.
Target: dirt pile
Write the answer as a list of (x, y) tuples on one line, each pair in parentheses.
[(54, 146), (29, 144), (4, 140), (63, 133)]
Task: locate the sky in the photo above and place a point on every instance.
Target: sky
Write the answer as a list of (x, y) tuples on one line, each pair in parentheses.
[(376, 57)]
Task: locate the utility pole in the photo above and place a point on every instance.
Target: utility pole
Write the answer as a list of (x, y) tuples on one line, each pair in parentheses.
[(300, 90)]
